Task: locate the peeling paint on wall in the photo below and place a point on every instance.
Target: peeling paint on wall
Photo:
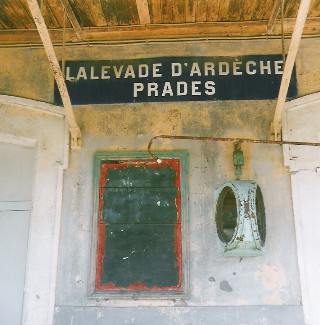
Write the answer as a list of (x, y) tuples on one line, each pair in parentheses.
[(264, 288)]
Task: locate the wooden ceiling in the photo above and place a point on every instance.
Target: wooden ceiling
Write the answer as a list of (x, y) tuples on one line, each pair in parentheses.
[(130, 20)]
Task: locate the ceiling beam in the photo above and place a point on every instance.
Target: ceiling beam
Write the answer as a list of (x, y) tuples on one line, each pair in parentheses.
[(73, 19), (45, 37), (275, 131), (143, 11), (217, 30), (273, 16)]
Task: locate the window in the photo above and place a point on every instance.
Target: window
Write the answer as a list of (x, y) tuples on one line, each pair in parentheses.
[(141, 228)]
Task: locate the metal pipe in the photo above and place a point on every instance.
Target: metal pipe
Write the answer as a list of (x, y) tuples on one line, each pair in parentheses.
[(239, 140)]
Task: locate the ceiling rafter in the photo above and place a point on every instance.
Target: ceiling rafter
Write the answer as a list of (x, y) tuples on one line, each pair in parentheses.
[(73, 20), (143, 12), (276, 125), (48, 46), (274, 15)]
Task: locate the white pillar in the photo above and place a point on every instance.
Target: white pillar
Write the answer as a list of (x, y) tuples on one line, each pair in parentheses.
[(301, 122)]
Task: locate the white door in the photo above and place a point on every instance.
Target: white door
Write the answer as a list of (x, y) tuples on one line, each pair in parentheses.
[(16, 174)]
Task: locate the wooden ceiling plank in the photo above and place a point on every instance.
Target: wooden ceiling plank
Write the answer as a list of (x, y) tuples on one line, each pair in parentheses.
[(268, 9), (259, 10), (109, 11), (213, 10), (248, 8), (166, 11), (291, 9), (201, 10), (190, 10), (73, 20), (162, 31), (273, 17), (48, 46), (178, 11), (124, 10), (25, 14), (133, 17), (4, 18), (98, 16), (4, 25), (121, 12), (56, 9), (16, 14), (224, 10), (315, 9), (83, 12), (313, 6), (143, 12), (286, 6), (235, 10), (155, 11), (48, 16)]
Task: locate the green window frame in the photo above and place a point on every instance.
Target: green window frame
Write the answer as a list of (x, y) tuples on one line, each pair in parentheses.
[(140, 225)]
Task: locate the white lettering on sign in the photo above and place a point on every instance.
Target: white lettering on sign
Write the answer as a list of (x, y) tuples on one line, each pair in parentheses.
[(265, 66), (129, 72), (278, 65), (164, 78), (156, 70), (250, 67), (236, 66), (117, 72), (176, 70), (209, 69), (92, 75), (68, 77), (210, 89), (222, 68), (143, 70), (169, 89), (153, 89), (137, 87), (195, 88), (182, 88), (195, 69), (82, 73), (105, 72)]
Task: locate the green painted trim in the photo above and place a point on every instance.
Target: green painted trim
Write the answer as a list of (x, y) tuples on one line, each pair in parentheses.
[(182, 155)]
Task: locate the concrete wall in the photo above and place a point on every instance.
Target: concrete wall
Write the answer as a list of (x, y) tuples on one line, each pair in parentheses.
[(269, 280), (252, 290), (25, 71)]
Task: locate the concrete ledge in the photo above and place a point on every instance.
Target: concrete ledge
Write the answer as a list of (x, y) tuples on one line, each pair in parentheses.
[(249, 315)]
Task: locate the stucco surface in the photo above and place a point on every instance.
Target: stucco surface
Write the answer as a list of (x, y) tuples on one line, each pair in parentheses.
[(26, 73), (263, 289)]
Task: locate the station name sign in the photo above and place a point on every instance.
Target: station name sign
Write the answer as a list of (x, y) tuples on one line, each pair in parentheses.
[(168, 79)]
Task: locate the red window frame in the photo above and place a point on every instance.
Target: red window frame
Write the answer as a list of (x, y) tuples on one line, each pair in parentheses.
[(150, 163)]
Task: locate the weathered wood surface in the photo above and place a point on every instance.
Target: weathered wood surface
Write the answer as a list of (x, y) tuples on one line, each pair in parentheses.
[(96, 20)]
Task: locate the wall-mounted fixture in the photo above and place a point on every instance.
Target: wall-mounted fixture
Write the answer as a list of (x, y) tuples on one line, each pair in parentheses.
[(240, 215), (240, 218)]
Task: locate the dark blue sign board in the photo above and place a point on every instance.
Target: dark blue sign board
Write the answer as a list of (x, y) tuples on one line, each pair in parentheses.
[(169, 79)]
